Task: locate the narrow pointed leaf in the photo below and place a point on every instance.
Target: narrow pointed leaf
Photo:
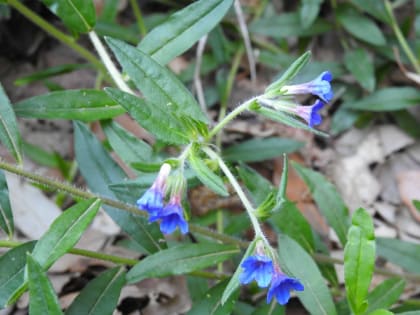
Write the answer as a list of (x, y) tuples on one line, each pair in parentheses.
[(42, 298), (401, 253), (85, 105), (65, 232), (12, 272), (207, 177), (99, 171), (359, 260), (183, 29), (328, 200), (99, 296), (130, 148), (6, 215), (179, 260), (360, 64), (78, 15), (9, 131), (152, 117), (296, 262), (159, 85), (385, 294)]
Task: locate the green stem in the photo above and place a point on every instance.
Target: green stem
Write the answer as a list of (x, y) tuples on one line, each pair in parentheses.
[(114, 259), (55, 184), (139, 17), (50, 29), (229, 117), (400, 37)]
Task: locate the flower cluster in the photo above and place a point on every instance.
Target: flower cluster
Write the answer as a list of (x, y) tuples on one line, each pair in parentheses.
[(320, 87), (261, 269), (171, 214)]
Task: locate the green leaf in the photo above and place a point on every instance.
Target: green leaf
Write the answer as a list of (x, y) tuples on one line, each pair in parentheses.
[(159, 85), (100, 170), (152, 117), (309, 12), (9, 131), (360, 26), (360, 64), (115, 30), (6, 214), (359, 260), (99, 296), (407, 122), (125, 144), (207, 176), (85, 105), (78, 15), (258, 186), (385, 294), (401, 253), (234, 283), (374, 8), (328, 200), (290, 73), (12, 272), (65, 232), (211, 304), (260, 149), (388, 99), (183, 29), (179, 260), (296, 262), (290, 221), (42, 298), (287, 120), (381, 312)]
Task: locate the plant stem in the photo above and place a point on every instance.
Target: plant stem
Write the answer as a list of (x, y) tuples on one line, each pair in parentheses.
[(74, 191), (110, 66), (400, 37), (230, 117), (50, 29), (115, 259), (139, 17)]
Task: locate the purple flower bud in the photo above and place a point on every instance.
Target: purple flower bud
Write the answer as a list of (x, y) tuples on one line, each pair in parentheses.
[(280, 288), (258, 268), (310, 113), (320, 87), (152, 199), (171, 216)]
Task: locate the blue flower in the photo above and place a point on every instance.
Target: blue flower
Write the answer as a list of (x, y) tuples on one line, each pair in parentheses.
[(281, 285), (258, 267), (152, 199), (310, 113), (320, 87), (171, 216)]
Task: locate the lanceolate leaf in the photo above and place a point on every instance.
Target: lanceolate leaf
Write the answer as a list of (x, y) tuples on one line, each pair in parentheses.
[(65, 232), (9, 132), (77, 15), (100, 296), (328, 200), (402, 253), (12, 270), (296, 262), (183, 29), (99, 170), (152, 117), (42, 298), (6, 215), (179, 260), (157, 83), (385, 294), (359, 260), (360, 64), (85, 105)]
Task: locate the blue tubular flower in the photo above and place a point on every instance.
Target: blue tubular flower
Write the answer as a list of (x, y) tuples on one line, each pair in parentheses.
[(152, 199), (258, 267), (320, 87), (171, 216), (281, 286), (310, 113)]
